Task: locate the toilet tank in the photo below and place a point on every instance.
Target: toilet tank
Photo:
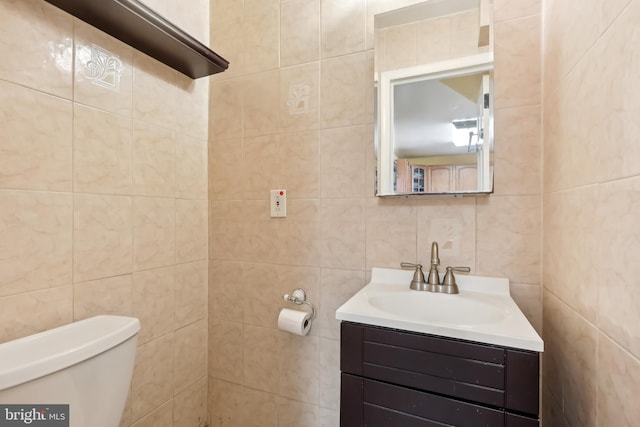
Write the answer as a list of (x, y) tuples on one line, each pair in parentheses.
[(87, 365)]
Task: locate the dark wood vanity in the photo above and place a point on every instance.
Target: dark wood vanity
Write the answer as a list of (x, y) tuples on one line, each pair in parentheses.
[(396, 378)]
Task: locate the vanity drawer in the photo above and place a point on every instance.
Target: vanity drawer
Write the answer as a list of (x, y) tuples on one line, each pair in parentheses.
[(388, 405), (377, 404), (487, 374)]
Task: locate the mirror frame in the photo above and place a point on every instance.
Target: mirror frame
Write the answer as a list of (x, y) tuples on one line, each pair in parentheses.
[(386, 82)]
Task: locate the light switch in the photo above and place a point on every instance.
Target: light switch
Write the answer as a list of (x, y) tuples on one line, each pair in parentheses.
[(278, 203)]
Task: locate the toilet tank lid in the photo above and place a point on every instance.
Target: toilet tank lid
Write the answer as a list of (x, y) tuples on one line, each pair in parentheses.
[(35, 356)]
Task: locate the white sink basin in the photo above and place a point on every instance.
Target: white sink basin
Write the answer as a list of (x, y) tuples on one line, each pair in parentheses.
[(435, 308), (483, 311)]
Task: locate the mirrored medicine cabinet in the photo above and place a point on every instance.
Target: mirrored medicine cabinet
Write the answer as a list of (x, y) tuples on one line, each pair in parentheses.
[(433, 99)]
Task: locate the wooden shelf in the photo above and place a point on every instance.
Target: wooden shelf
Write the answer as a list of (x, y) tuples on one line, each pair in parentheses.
[(140, 27)]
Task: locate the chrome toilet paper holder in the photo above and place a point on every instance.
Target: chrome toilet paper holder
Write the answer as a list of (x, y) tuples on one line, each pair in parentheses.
[(299, 296)]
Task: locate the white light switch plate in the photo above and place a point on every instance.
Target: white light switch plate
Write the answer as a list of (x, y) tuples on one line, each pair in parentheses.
[(278, 203)]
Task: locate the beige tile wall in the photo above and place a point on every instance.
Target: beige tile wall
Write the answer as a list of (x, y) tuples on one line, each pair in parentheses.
[(591, 369), (103, 199), (431, 40), (295, 112)]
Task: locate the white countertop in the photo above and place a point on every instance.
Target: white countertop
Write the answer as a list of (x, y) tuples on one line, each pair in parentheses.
[(483, 311)]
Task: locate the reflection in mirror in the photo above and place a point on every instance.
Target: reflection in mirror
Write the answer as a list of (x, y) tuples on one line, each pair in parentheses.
[(434, 114)]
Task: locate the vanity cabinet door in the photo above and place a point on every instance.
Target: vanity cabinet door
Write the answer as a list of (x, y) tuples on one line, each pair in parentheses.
[(379, 404), (370, 403), (387, 405), (454, 368)]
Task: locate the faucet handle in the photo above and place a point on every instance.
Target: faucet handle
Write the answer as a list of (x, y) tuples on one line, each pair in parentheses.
[(449, 281), (404, 264), (461, 269), (418, 282)]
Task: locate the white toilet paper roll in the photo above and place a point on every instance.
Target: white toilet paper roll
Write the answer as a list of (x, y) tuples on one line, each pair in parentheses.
[(294, 321)]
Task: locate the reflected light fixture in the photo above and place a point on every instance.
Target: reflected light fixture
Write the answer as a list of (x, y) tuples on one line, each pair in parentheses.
[(464, 132)]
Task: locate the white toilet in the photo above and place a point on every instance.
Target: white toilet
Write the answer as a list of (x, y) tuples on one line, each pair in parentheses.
[(86, 364)]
